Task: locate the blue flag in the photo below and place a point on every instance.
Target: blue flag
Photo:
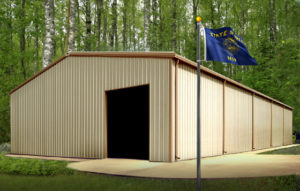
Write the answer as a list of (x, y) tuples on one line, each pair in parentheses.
[(225, 46)]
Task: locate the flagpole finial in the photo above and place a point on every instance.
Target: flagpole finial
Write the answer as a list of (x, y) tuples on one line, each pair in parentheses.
[(198, 19)]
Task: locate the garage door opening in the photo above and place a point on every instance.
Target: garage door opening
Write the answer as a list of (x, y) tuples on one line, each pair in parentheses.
[(128, 123)]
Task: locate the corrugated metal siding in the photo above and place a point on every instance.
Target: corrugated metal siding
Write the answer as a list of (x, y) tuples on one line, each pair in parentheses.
[(238, 120), (277, 125), (62, 112), (173, 117), (288, 127), (262, 123), (211, 114), (187, 91)]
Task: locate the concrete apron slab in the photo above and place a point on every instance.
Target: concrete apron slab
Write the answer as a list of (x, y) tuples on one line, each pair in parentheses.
[(248, 164)]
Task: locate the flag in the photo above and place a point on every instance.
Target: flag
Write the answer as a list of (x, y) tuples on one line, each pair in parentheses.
[(225, 46)]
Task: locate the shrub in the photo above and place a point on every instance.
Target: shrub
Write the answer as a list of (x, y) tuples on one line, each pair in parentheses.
[(4, 147)]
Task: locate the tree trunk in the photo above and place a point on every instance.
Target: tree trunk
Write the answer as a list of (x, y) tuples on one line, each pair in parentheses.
[(36, 42), (114, 32), (286, 18), (99, 4), (22, 38), (133, 24), (272, 12), (49, 36), (77, 34), (242, 26), (212, 10), (88, 24), (10, 34), (124, 32), (242, 18), (174, 25), (105, 6), (146, 24), (195, 12), (71, 22), (154, 27), (160, 36)]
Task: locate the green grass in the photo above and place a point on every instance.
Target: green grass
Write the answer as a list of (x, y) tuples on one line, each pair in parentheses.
[(286, 151), (298, 183), (35, 167), (35, 175), (91, 182)]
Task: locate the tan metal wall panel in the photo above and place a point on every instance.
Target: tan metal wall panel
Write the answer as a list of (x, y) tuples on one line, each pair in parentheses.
[(13, 121), (262, 123), (211, 114), (238, 120), (62, 111), (277, 125), (173, 110), (288, 127)]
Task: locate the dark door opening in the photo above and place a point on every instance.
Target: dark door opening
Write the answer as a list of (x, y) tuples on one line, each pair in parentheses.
[(128, 123)]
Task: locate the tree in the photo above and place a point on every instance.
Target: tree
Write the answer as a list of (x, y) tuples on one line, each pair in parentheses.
[(71, 21), (105, 21), (125, 25), (146, 23), (272, 13), (114, 27), (88, 24), (99, 7), (36, 38), (22, 37), (49, 37), (270, 30)]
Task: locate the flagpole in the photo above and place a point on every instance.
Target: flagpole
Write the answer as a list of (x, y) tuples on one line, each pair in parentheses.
[(198, 19)]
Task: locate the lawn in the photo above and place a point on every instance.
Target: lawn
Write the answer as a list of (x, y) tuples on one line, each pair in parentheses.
[(286, 151), (33, 167), (35, 175), (298, 183), (91, 182)]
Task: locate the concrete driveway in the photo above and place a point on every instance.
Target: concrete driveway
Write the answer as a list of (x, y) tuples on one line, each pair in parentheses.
[(248, 164)]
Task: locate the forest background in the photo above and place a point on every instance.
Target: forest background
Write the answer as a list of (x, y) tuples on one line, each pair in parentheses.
[(270, 29)]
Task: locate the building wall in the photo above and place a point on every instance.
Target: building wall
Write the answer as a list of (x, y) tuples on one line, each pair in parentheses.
[(239, 115), (238, 120), (262, 123), (62, 111), (211, 114), (277, 125), (288, 127)]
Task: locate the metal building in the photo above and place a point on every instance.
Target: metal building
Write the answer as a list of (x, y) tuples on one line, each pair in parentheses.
[(140, 105)]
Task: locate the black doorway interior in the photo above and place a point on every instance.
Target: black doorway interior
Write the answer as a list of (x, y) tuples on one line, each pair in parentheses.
[(128, 123)]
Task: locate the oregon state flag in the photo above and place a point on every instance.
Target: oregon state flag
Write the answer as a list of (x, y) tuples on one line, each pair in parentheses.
[(225, 46)]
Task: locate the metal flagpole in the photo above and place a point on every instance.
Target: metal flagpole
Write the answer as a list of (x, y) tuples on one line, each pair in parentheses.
[(198, 19)]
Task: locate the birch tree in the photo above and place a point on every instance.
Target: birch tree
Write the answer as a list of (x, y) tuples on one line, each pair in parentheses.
[(49, 36), (146, 23), (114, 27), (104, 36), (71, 22)]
